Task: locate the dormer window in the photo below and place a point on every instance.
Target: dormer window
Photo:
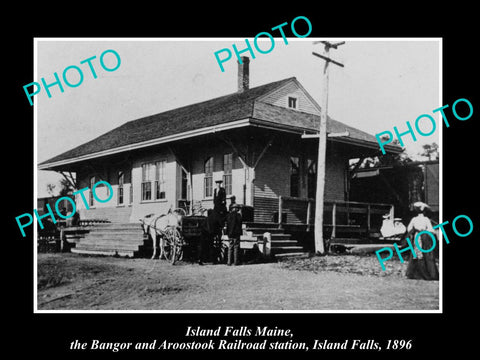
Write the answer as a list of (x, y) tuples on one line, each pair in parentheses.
[(292, 102)]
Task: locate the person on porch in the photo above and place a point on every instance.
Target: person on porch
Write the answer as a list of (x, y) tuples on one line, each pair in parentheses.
[(220, 199)]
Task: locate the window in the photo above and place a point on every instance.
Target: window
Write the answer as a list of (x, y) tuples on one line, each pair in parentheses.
[(292, 102), (153, 181), (294, 176), (131, 186), (311, 178), (208, 181), (147, 177), (121, 179), (160, 179), (92, 182), (227, 173), (184, 185)]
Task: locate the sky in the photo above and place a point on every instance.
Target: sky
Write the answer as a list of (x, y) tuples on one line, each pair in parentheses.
[(384, 83)]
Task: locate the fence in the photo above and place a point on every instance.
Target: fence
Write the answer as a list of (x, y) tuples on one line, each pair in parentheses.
[(338, 216)]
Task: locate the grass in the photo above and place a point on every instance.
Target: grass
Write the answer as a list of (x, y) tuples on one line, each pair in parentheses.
[(52, 276), (69, 281), (347, 264)]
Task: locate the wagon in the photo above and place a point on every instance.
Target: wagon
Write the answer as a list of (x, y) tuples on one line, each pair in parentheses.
[(187, 234), (193, 229)]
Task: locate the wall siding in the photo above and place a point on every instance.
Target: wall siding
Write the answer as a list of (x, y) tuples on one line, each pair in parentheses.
[(198, 172), (272, 176), (120, 214), (141, 208), (110, 210), (335, 175), (272, 179), (280, 98)]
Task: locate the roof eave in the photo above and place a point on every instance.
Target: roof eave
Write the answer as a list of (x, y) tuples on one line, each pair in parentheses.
[(373, 145), (55, 165)]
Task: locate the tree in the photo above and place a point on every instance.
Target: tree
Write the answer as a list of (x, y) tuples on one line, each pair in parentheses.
[(66, 188), (430, 151), (380, 160), (51, 188)]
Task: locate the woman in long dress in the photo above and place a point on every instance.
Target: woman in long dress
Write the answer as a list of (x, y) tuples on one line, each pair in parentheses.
[(423, 267)]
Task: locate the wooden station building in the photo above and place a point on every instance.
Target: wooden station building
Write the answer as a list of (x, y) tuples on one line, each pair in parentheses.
[(255, 140)]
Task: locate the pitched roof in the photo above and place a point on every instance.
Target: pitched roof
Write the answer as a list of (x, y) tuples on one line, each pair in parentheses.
[(308, 122), (222, 110)]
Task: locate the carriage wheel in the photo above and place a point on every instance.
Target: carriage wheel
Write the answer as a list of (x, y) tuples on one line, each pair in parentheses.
[(173, 245), (223, 253), (178, 244), (168, 248)]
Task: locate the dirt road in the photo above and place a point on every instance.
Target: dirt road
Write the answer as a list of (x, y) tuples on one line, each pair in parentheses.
[(75, 282)]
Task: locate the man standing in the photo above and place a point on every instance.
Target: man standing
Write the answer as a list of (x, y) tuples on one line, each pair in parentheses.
[(234, 231), (220, 199), (232, 202)]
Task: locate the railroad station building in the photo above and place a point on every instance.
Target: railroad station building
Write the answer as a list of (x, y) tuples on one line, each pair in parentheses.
[(256, 140)]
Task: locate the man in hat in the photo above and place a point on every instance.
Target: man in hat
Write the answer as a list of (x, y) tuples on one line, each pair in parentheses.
[(232, 202), (234, 231), (220, 199)]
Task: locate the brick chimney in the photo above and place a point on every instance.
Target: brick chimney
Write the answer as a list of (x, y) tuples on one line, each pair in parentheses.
[(243, 74)]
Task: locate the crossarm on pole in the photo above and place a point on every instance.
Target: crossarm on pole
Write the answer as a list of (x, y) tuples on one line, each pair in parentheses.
[(328, 59)]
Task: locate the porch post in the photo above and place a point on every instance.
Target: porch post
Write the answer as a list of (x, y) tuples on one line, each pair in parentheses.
[(280, 210), (368, 218), (309, 213), (334, 220), (190, 184)]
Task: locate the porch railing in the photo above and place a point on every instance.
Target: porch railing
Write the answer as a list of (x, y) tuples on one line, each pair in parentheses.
[(295, 211), (338, 216)]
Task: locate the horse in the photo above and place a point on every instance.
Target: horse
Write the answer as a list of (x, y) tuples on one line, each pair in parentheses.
[(213, 231), (155, 226)]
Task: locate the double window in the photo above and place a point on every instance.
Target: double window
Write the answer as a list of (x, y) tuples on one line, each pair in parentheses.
[(298, 176), (227, 173), (121, 179), (311, 178), (292, 102), (160, 179), (91, 200), (294, 176), (101, 188), (208, 180), (153, 181), (184, 185), (131, 186)]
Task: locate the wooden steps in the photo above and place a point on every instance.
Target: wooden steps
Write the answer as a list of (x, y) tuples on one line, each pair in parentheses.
[(282, 244), (122, 239), (127, 239)]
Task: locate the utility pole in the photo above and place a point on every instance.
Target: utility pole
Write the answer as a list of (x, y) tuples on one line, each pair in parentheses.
[(322, 148)]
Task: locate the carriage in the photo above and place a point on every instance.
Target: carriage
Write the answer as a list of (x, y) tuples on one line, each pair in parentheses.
[(175, 231), (183, 232)]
